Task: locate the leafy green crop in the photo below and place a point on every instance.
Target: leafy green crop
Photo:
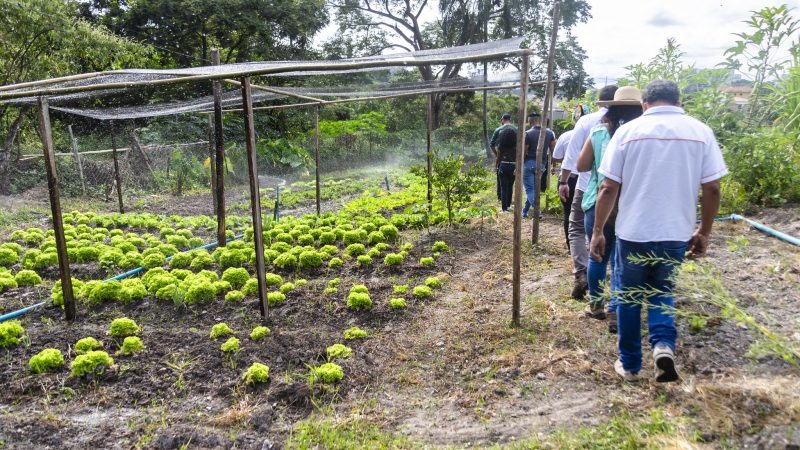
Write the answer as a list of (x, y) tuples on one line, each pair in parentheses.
[(422, 292), (256, 373), (27, 278), (230, 346), (86, 345), (131, 345), (354, 333), (123, 327), (397, 303), (275, 298), (91, 362), (220, 330), (10, 333), (327, 373), (259, 333), (236, 276), (234, 296), (338, 351), (47, 360), (393, 259), (433, 282)]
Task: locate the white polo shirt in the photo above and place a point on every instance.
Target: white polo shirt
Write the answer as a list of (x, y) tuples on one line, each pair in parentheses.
[(661, 159), (561, 145), (580, 133)]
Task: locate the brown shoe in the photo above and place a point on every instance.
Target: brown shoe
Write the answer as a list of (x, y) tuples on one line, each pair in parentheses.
[(595, 310), (580, 287), (611, 316)]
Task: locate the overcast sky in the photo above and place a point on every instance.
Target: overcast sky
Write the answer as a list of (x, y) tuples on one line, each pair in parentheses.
[(624, 32)]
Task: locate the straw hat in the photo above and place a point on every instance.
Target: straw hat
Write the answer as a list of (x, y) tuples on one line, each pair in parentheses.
[(626, 95)]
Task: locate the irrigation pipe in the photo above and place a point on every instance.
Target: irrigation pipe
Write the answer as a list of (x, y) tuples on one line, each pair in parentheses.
[(121, 276), (766, 230)]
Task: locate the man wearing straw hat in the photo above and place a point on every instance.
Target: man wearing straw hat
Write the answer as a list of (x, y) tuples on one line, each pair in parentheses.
[(656, 164)]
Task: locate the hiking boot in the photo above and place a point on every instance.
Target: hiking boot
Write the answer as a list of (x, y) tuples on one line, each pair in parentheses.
[(664, 359), (595, 310), (611, 316), (580, 286), (630, 377)]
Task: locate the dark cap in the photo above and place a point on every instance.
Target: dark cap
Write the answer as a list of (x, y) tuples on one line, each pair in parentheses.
[(506, 116)]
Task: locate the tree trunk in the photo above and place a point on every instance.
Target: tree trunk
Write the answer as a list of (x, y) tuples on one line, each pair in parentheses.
[(5, 152)]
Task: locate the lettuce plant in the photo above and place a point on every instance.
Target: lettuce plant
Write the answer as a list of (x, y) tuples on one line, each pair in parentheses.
[(123, 327), (91, 362), (338, 351), (236, 276), (230, 346), (131, 345), (234, 296), (10, 333), (393, 259), (86, 344), (47, 360), (353, 333), (275, 298), (220, 330), (397, 303), (422, 292), (327, 373), (255, 374), (259, 333)]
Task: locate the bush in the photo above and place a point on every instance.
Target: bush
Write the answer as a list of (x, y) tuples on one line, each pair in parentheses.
[(355, 249), (220, 330), (230, 346), (767, 166), (422, 292), (10, 333), (257, 373), (393, 259), (397, 303), (286, 261), (234, 296), (433, 282), (131, 345), (154, 260), (236, 276), (327, 373), (426, 261), (335, 263), (259, 333), (354, 333), (275, 298), (123, 327), (47, 360), (87, 344), (310, 259), (359, 300), (440, 246), (338, 351), (180, 260), (91, 362)]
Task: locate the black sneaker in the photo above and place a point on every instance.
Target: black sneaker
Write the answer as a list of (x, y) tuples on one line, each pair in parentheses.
[(595, 310), (580, 287), (611, 316), (664, 359)]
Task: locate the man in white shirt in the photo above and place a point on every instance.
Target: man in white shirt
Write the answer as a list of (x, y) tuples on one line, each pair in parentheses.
[(577, 232), (558, 155), (656, 164)]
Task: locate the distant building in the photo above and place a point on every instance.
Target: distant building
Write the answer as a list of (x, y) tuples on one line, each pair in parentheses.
[(741, 95)]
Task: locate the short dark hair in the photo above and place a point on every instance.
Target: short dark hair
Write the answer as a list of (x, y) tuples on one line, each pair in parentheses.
[(607, 93), (661, 91), (506, 116), (534, 115)]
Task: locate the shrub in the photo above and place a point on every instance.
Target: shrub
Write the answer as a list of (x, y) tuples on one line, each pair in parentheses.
[(364, 260), (234, 296), (287, 287), (154, 260), (440, 246), (426, 261), (400, 289), (433, 282), (275, 298), (355, 249), (259, 333), (47, 360), (180, 260), (220, 330), (354, 333), (327, 238), (327, 373), (390, 232), (393, 259), (310, 259), (131, 345), (422, 292), (359, 300), (8, 257), (90, 363), (87, 344), (338, 351), (236, 276), (257, 373), (230, 346), (335, 263), (10, 333), (397, 303), (286, 261), (123, 327)]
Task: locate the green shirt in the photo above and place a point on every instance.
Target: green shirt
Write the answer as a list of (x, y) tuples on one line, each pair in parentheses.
[(599, 137)]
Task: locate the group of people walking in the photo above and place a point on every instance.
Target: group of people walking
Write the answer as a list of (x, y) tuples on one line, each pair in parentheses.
[(630, 177)]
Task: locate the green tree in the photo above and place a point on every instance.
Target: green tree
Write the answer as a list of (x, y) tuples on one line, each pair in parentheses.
[(453, 184)]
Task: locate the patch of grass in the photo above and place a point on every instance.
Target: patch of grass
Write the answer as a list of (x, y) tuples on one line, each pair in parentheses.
[(355, 433)]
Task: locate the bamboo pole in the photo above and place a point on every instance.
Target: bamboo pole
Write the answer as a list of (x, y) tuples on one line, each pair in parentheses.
[(55, 208), (119, 150), (117, 178), (81, 76), (316, 158), (522, 115), (429, 153), (543, 131), (301, 67), (77, 157), (212, 165), (255, 197), (219, 145), (273, 90)]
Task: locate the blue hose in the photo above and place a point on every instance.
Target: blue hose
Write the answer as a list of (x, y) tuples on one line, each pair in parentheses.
[(121, 276), (767, 230)]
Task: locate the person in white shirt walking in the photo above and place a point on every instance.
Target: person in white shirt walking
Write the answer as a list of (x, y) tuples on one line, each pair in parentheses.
[(578, 248), (558, 155), (656, 163)]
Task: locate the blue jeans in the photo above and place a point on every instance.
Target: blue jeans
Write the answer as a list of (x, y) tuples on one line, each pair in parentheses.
[(528, 181), (654, 276), (596, 270)]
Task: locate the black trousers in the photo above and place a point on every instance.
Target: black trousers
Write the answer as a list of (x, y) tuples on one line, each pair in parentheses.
[(506, 173), (571, 182)]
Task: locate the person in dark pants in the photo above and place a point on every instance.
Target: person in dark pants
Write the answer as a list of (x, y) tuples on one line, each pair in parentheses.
[(504, 146), (558, 155)]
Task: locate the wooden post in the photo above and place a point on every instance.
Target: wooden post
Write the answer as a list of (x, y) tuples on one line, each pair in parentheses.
[(117, 178), (55, 208), (545, 114), (219, 145), (212, 164), (522, 114), (74, 144), (255, 197), (430, 152), (316, 158)]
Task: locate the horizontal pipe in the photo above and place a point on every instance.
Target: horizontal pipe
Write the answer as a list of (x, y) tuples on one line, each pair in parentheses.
[(20, 312), (767, 230)]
